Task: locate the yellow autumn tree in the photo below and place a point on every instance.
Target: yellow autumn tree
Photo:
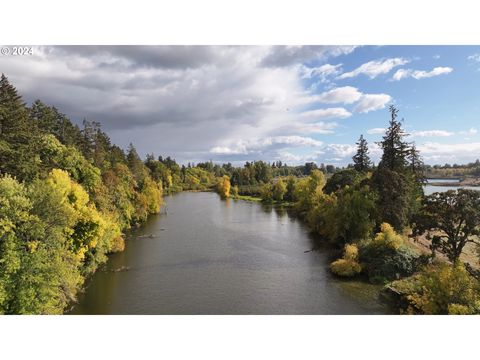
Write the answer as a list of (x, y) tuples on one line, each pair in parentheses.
[(91, 234), (348, 265), (223, 187)]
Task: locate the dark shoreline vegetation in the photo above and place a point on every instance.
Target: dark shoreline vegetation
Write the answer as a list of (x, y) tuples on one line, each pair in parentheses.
[(68, 195)]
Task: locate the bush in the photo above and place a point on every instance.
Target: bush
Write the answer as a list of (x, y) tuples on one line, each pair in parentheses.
[(267, 193), (348, 265), (388, 257), (387, 237), (235, 192), (441, 289)]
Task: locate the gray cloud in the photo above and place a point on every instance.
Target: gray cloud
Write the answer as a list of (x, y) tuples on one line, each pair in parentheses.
[(187, 100), (289, 55), (133, 56)]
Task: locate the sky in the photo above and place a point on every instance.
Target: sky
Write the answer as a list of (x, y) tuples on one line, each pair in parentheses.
[(242, 103)]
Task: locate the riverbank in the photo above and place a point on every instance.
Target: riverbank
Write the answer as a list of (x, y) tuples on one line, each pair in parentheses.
[(469, 181)]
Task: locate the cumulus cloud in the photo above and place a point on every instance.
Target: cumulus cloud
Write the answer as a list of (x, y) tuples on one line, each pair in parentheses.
[(420, 74), (458, 152), (345, 95), (328, 113), (372, 102), (313, 128), (259, 147), (322, 73), (376, 131), (372, 69)]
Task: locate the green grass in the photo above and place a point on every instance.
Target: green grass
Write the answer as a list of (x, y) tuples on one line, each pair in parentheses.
[(248, 198)]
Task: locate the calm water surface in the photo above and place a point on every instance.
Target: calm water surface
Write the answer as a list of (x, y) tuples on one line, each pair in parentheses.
[(208, 256), (430, 189)]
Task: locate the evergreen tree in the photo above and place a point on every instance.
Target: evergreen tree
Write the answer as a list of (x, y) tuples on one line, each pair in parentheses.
[(135, 164), (361, 159), (17, 135), (416, 164), (395, 149), (398, 187)]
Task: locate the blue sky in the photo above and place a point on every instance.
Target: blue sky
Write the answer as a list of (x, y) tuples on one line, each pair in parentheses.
[(239, 103), (443, 109)]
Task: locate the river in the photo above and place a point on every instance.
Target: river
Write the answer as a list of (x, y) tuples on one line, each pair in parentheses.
[(430, 189), (211, 256)]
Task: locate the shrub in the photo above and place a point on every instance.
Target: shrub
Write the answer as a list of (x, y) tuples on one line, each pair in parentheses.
[(348, 265), (235, 192), (387, 237), (388, 257), (441, 289), (267, 193)]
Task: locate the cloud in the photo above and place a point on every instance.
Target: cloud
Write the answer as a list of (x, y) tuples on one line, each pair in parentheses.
[(474, 57), (426, 133), (322, 73), (178, 100), (441, 153), (261, 146), (328, 113), (432, 133), (372, 102), (315, 128), (345, 95), (375, 131), (420, 74), (160, 57), (339, 151), (279, 56), (472, 131), (194, 102), (372, 69)]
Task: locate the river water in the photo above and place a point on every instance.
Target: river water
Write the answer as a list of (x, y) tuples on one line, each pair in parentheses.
[(430, 189), (211, 256)]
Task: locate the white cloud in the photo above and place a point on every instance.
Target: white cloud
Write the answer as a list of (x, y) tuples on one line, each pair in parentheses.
[(345, 95), (420, 74), (286, 156), (375, 131), (436, 57), (322, 72), (474, 57), (315, 128), (328, 113), (472, 131), (371, 102), (432, 133), (260, 146), (441, 153), (340, 150), (374, 68)]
